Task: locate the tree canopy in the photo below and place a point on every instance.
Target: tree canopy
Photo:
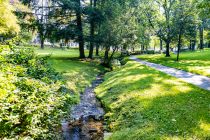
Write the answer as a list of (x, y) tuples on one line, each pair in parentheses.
[(118, 25)]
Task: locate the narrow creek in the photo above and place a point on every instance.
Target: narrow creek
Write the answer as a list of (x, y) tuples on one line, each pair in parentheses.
[(86, 117)]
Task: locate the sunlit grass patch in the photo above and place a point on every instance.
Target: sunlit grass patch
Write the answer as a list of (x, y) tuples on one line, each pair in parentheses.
[(78, 74), (57, 52), (143, 103), (196, 62), (205, 126)]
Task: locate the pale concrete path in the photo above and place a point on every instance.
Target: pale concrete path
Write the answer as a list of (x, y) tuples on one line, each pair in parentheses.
[(195, 79)]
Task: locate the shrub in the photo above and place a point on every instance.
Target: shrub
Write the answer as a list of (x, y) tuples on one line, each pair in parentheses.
[(32, 101), (20, 56)]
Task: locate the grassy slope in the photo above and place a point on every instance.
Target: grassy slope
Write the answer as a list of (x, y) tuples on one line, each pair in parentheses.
[(196, 62), (143, 103), (78, 74)]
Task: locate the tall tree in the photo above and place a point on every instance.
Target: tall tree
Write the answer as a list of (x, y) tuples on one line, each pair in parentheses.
[(183, 16), (201, 28), (167, 35), (204, 14), (161, 44), (41, 9), (64, 23), (92, 27), (80, 28), (159, 15)]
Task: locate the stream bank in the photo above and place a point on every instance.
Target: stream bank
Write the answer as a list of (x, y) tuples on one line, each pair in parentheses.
[(86, 117)]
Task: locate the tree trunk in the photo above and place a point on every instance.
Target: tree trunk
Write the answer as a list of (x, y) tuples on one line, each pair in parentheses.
[(41, 35), (41, 28), (201, 36), (80, 35), (97, 50), (179, 44), (167, 48), (98, 41), (193, 45), (190, 47), (42, 42), (92, 27), (161, 45), (106, 57), (91, 41)]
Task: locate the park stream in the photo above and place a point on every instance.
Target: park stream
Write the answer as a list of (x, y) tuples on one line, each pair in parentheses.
[(86, 117)]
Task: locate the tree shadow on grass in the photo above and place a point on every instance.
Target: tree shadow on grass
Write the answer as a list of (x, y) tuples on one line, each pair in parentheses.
[(76, 72), (181, 116), (192, 65), (155, 106)]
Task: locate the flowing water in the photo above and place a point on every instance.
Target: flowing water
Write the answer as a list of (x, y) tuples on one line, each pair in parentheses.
[(87, 117)]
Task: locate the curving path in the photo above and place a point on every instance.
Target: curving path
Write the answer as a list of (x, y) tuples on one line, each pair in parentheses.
[(195, 79)]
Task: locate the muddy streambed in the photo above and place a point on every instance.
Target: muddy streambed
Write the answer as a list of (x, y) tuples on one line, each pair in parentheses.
[(86, 117)]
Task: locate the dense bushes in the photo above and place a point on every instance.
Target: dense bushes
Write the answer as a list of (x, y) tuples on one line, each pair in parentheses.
[(31, 97)]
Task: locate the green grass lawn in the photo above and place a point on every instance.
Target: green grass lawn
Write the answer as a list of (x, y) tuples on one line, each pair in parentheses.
[(73, 53), (58, 53), (143, 103), (78, 74), (196, 62)]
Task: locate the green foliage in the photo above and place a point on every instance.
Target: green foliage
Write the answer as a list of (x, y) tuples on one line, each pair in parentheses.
[(21, 56), (204, 7), (23, 38), (31, 97), (8, 21)]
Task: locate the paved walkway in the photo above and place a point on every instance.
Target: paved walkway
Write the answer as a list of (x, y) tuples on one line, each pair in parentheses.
[(198, 80)]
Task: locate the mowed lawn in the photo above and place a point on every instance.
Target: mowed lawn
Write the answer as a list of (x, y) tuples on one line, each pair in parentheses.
[(145, 104), (78, 74), (58, 53), (196, 62)]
